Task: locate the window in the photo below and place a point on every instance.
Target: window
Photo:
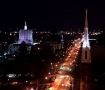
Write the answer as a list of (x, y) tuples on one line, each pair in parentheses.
[(85, 54)]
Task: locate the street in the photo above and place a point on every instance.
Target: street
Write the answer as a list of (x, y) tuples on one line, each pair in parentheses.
[(63, 79)]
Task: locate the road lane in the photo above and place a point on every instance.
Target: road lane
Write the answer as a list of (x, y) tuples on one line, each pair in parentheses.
[(62, 82)]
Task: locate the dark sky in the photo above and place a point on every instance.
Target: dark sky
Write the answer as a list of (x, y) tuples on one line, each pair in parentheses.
[(42, 14)]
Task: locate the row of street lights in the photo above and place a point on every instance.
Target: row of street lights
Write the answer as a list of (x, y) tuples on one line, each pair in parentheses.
[(52, 69), (55, 66)]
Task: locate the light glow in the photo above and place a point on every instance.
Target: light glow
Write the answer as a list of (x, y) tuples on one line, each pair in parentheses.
[(25, 27)]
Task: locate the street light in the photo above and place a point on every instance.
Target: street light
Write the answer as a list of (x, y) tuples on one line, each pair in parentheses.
[(56, 65), (46, 78), (31, 89)]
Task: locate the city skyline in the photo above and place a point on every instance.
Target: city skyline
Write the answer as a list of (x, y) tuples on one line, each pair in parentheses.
[(70, 56)]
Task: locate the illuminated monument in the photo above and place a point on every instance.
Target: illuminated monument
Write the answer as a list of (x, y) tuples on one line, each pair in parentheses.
[(26, 36), (85, 74)]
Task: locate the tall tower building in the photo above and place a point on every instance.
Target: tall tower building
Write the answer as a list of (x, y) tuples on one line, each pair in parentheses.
[(86, 56), (85, 74), (25, 35)]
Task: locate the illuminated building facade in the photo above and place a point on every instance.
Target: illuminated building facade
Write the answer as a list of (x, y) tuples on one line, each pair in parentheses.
[(26, 36), (85, 74)]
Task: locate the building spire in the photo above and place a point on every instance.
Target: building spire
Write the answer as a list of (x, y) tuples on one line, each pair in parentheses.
[(25, 26), (86, 36), (25, 23), (86, 20)]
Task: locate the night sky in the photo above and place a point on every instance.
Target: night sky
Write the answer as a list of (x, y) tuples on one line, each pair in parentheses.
[(43, 14)]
